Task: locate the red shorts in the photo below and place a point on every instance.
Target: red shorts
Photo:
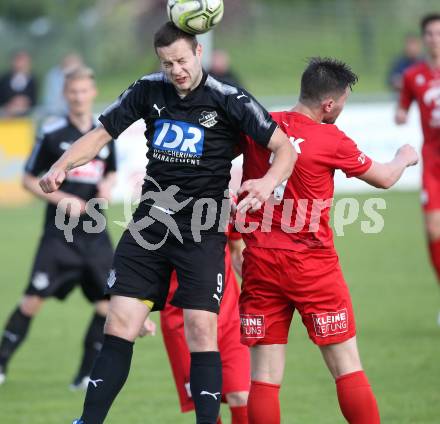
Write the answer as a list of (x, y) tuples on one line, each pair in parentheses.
[(431, 178), (276, 282), (235, 356)]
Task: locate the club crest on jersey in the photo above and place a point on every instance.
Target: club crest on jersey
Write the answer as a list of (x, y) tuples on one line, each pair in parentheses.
[(208, 119), (252, 326), (330, 323)]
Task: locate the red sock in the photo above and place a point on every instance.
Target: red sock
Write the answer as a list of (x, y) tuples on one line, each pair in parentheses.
[(264, 404), (434, 250), (239, 415), (356, 399)]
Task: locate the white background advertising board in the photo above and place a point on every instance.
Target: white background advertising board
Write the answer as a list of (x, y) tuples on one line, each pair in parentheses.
[(371, 125)]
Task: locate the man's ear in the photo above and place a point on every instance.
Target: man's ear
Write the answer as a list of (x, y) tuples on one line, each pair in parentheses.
[(199, 50), (327, 104)]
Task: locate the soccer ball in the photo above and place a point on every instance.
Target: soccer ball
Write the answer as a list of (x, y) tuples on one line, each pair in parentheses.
[(195, 16)]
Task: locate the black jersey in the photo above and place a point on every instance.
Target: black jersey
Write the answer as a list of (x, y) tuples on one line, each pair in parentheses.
[(54, 139), (192, 140)]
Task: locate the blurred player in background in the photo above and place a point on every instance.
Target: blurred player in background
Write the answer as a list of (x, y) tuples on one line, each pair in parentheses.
[(298, 267), (412, 54), (421, 83), (194, 124), (18, 87), (54, 102), (235, 356), (221, 68), (59, 265)]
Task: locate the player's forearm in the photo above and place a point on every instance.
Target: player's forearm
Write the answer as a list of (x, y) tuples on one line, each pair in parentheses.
[(393, 171), (83, 150), (385, 175), (31, 184), (284, 160)]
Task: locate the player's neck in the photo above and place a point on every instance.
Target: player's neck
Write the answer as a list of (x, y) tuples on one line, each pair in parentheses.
[(82, 121), (307, 111), (184, 93)]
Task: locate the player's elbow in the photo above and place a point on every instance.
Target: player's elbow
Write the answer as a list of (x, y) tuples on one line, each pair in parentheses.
[(26, 182), (385, 183)]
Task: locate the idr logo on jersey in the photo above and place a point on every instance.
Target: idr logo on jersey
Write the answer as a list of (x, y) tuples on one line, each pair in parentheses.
[(252, 326), (178, 137), (330, 323)]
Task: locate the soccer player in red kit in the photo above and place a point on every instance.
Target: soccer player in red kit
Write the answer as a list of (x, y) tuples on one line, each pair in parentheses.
[(235, 356), (421, 83), (290, 261)]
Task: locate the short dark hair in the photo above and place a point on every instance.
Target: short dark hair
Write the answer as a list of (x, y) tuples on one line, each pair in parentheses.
[(168, 33), (323, 77), (427, 19)]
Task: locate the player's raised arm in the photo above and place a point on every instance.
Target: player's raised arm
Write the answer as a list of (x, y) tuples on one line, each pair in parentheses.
[(385, 175), (81, 152)]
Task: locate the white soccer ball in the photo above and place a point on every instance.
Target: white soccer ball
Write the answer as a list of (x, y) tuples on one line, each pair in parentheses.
[(195, 16)]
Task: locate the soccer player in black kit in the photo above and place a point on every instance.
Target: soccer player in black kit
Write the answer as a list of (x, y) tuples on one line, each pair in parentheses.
[(60, 265), (193, 126)]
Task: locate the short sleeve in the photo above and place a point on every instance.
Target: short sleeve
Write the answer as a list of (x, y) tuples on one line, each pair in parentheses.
[(250, 117), (39, 160), (110, 162), (350, 159), (406, 93), (128, 108)]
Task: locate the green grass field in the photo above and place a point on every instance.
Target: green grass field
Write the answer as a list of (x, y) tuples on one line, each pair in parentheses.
[(396, 302)]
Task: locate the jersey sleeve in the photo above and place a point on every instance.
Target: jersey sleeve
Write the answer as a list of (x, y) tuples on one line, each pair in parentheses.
[(39, 160), (406, 93), (131, 105), (349, 159), (111, 159), (250, 117)]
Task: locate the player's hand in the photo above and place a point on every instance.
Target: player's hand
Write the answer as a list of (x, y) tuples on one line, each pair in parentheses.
[(409, 154), (401, 116), (148, 329), (52, 180), (258, 191)]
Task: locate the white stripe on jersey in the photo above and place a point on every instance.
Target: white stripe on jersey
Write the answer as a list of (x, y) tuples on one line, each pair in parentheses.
[(157, 76), (47, 128), (221, 87), (54, 125)]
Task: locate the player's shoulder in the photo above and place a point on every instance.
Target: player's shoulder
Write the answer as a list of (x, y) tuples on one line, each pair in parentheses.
[(53, 125), (222, 88), (154, 77), (148, 81), (416, 69)]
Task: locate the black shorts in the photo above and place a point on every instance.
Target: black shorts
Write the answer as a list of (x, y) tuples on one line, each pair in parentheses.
[(144, 273), (60, 266)]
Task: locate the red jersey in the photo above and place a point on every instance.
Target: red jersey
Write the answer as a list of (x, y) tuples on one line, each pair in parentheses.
[(422, 84), (297, 216)]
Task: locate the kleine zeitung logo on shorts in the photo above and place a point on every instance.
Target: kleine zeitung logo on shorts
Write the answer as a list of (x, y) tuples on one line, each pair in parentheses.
[(330, 323), (252, 326)]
